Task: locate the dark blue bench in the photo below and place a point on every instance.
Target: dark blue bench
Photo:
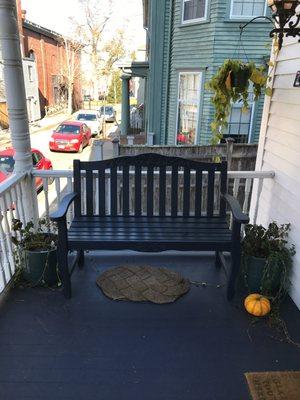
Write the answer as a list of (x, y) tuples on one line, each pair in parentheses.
[(132, 229)]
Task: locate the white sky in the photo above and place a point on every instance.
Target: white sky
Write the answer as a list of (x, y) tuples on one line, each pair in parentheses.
[(54, 14)]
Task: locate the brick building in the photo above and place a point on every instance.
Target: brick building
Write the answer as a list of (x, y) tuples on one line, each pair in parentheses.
[(46, 47)]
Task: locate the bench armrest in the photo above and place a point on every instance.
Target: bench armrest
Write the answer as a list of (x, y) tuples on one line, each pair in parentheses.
[(63, 207), (235, 208)]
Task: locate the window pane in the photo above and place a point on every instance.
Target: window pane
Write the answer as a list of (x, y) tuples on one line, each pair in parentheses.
[(248, 8), (189, 87), (193, 9), (239, 121)]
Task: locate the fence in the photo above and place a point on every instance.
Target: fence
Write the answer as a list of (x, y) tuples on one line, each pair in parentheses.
[(240, 157)]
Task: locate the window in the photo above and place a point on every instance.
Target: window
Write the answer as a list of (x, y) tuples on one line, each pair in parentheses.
[(240, 121), (247, 8), (30, 73), (194, 10), (188, 107), (36, 158)]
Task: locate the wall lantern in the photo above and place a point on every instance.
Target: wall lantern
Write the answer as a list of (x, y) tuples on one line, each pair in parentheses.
[(282, 13)]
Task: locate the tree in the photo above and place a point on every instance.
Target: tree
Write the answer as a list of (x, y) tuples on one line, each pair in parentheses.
[(96, 14), (115, 88), (114, 50), (71, 67)]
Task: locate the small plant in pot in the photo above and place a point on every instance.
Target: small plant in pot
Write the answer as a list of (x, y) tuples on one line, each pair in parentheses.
[(36, 252), (267, 259), (230, 85)]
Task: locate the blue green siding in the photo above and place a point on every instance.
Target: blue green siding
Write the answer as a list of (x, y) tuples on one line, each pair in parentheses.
[(203, 47)]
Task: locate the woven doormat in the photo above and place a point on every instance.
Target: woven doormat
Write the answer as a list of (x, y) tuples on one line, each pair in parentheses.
[(274, 385), (143, 283)]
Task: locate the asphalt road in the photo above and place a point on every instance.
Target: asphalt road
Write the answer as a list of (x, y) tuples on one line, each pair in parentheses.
[(64, 161)]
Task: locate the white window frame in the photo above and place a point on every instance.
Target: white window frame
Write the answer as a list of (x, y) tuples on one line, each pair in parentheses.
[(194, 20), (194, 72), (231, 16), (250, 133), (30, 73)]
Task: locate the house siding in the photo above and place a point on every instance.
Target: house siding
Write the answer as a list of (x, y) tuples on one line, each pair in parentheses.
[(202, 46), (279, 150)]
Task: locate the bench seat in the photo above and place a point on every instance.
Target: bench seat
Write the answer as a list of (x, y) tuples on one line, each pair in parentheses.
[(149, 234)]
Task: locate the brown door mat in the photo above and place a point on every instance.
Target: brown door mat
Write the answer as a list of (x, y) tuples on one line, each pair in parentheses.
[(277, 385), (143, 283)]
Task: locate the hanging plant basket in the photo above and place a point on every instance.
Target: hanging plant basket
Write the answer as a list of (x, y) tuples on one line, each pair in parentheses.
[(240, 77), (230, 85)]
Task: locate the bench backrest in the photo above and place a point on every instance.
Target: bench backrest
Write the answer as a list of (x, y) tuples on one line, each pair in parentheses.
[(143, 184)]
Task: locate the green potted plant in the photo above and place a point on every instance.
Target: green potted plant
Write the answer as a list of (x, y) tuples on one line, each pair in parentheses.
[(36, 252), (267, 259), (231, 84)]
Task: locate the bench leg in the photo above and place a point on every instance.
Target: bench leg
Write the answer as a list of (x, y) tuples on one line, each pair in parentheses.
[(235, 267), (218, 262), (62, 256), (81, 259)]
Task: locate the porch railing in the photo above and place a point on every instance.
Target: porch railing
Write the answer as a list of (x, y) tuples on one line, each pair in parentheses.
[(55, 184)]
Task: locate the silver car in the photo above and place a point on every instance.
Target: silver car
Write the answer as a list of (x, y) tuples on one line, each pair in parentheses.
[(108, 112), (92, 119)]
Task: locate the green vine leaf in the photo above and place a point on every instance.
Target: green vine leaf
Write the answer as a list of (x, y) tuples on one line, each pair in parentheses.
[(229, 85)]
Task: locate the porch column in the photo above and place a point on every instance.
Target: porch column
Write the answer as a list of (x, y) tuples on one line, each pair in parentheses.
[(125, 116), (16, 99)]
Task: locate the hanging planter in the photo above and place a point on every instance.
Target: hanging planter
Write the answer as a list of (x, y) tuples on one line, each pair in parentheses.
[(240, 77), (230, 85)]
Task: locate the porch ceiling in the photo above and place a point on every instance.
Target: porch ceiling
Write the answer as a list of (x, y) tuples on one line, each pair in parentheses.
[(90, 347)]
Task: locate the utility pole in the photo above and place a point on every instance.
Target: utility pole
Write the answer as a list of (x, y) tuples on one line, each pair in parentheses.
[(16, 101)]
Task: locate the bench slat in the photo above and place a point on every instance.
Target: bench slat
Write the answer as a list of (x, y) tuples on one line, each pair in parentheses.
[(114, 190), (162, 191), (150, 191), (89, 193), (138, 191), (126, 190), (101, 190), (174, 191)]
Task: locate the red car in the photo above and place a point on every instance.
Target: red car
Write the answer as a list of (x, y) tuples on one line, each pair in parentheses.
[(7, 163), (70, 136)]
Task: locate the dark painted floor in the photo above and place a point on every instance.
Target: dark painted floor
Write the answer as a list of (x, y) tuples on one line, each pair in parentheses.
[(93, 348)]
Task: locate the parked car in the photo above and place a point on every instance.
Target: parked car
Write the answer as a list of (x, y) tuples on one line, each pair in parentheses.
[(70, 136), (7, 164), (108, 113), (92, 119)]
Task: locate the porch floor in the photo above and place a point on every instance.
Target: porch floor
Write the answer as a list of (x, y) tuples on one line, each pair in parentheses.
[(90, 347)]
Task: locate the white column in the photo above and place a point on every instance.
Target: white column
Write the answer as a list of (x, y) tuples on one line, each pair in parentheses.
[(125, 113), (16, 99)]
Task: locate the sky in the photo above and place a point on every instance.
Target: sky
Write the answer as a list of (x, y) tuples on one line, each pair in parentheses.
[(54, 14)]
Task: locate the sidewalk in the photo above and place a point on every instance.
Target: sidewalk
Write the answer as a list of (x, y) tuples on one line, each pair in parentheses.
[(35, 127)]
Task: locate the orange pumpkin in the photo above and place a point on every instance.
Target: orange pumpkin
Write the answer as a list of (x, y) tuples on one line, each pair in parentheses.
[(257, 305)]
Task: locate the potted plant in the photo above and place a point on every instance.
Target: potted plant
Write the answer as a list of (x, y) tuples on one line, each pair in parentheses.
[(267, 259), (36, 252), (231, 84)]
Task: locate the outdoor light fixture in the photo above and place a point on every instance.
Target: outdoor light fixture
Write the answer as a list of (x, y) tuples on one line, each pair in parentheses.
[(282, 13)]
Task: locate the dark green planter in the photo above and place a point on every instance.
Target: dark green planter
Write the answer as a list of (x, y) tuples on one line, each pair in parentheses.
[(40, 266), (254, 275), (239, 79)]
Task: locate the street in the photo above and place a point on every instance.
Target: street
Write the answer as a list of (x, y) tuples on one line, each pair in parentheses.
[(64, 161)]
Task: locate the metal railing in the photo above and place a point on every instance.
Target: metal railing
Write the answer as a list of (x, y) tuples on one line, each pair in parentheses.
[(56, 184)]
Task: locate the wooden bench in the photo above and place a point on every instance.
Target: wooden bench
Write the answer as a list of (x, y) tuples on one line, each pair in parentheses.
[(139, 220)]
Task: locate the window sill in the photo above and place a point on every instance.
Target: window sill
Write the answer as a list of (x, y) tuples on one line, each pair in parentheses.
[(245, 20), (183, 25)]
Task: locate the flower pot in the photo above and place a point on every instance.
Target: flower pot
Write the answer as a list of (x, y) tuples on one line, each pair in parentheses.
[(239, 78), (255, 272), (40, 266)]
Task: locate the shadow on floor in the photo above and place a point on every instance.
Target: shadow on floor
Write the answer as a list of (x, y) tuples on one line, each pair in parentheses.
[(90, 347)]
